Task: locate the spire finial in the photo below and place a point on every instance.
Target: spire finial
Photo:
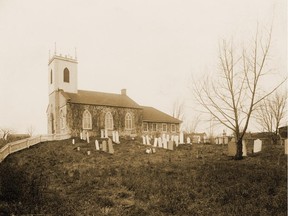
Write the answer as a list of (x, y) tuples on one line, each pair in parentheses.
[(49, 55)]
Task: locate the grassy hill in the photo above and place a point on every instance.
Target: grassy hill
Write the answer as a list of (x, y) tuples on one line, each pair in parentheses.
[(54, 178)]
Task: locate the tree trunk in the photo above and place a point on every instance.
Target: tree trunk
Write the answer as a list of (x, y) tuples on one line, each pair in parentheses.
[(239, 153)]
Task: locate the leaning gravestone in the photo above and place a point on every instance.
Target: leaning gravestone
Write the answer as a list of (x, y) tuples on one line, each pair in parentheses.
[(104, 146), (160, 142), (257, 146), (232, 149), (110, 147), (170, 145), (97, 145)]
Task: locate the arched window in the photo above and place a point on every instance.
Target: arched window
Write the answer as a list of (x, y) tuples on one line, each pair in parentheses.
[(128, 121), (66, 75), (87, 120), (51, 77), (108, 121)]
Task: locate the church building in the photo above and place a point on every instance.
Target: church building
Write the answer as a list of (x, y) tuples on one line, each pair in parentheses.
[(71, 111)]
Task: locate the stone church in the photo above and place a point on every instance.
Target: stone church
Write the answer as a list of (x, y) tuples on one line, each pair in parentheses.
[(71, 111)]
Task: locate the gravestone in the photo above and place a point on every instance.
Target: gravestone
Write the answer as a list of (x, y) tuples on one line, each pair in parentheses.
[(102, 133), (160, 142), (167, 137), (88, 152), (244, 148), (81, 136), (176, 139), (117, 137), (73, 141), (113, 136), (172, 137), (88, 138), (84, 135), (153, 150), (163, 136), (164, 143), (78, 148), (170, 145), (97, 145), (148, 151), (110, 147), (106, 133), (232, 149), (104, 146), (148, 140), (181, 138), (257, 146), (155, 141), (188, 140), (286, 146), (144, 140)]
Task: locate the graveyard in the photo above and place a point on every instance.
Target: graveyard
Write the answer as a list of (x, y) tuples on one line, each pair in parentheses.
[(131, 177)]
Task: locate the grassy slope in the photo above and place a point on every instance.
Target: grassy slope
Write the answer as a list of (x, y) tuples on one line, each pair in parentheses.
[(54, 178)]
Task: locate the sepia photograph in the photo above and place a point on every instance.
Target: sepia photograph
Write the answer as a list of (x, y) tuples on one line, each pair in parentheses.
[(143, 107)]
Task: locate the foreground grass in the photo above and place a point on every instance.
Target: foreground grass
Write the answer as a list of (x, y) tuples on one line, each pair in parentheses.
[(54, 178)]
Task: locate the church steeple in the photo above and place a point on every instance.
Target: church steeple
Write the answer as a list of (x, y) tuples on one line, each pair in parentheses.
[(62, 73)]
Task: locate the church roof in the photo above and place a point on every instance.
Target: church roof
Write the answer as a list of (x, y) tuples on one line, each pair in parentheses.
[(101, 99), (151, 114)]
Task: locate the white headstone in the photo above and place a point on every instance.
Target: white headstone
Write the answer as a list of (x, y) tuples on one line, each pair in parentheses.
[(88, 138), (155, 141), (97, 145), (172, 137), (153, 150), (144, 140), (286, 146), (163, 136), (257, 146), (160, 142), (188, 140), (148, 140), (181, 138), (102, 133), (165, 143), (81, 135), (88, 152), (78, 148), (113, 136), (106, 133), (117, 137), (176, 139), (73, 141)]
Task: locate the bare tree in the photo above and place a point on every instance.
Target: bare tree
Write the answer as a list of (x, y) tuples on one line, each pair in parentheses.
[(178, 109), (272, 111), (6, 132), (234, 95), (192, 125), (30, 130)]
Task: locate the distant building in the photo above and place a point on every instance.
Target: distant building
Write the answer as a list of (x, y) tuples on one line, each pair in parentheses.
[(72, 111), (198, 137)]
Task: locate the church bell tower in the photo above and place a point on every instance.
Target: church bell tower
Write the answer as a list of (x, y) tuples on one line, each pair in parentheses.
[(62, 77)]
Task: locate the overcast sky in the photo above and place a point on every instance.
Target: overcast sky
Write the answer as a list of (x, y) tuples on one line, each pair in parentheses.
[(149, 47)]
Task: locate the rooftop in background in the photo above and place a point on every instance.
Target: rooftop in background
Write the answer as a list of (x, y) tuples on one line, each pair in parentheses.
[(151, 114)]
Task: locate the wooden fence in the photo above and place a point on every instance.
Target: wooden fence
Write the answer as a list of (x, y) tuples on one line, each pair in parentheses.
[(18, 145)]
